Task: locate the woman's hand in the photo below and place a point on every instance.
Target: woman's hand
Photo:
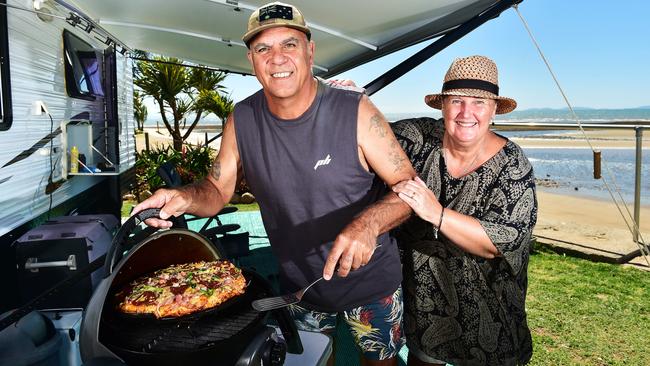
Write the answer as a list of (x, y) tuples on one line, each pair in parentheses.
[(341, 82), (421, 199), (345, 84)]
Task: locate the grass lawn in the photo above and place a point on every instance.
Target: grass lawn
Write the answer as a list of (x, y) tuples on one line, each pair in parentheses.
[(586, 313)]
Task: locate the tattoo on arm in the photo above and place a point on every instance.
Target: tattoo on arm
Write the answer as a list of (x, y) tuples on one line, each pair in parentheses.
[(216, 170), (377, 125), (395, 154), (397, 159)]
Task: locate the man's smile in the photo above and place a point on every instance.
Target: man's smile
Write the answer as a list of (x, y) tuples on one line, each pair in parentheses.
[(281, 75)]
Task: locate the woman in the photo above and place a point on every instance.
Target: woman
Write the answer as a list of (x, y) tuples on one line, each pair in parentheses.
[(465, 256)]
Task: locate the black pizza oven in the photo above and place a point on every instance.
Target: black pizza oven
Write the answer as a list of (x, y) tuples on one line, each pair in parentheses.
[(233, 333)]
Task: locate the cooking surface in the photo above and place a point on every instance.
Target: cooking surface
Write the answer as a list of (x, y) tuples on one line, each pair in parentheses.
[(317, 346), (187, 333)]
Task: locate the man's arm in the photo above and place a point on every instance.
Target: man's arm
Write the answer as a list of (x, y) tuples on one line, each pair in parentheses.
[(205, 197), (379, 151)]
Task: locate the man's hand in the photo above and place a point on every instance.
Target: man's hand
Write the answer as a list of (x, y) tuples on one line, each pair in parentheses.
[(172, 202), (352, 249)]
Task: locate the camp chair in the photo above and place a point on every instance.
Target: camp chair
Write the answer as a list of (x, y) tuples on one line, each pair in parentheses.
[(232, 245)]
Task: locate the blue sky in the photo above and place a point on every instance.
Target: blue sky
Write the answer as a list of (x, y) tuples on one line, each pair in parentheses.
[(599, 51)]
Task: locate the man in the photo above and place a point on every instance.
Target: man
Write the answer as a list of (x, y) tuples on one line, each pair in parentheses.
[(311, 155)]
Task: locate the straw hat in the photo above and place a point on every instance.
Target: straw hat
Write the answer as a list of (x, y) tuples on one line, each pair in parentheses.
[(275, 14), (473, 76)]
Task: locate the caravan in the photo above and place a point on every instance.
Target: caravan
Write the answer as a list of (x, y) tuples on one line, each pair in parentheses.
[(67, 102)]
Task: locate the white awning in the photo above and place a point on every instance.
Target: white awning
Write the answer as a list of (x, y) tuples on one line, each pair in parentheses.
[(347, 33)]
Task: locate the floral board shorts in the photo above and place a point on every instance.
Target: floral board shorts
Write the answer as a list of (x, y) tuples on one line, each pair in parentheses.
[(375, 327)]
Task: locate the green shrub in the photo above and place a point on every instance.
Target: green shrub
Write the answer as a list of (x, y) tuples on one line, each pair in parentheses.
[(192, 163)]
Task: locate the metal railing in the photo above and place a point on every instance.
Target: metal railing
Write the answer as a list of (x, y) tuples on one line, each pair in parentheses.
[(638, 128)]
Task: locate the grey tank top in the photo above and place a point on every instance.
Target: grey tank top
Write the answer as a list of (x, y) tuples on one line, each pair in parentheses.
[(307, 178)]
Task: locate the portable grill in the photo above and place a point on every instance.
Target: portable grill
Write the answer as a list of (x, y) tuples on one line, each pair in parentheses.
[(232, 333)]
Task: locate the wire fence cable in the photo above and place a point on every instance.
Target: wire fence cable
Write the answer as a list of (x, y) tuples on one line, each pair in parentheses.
[(628, 218)]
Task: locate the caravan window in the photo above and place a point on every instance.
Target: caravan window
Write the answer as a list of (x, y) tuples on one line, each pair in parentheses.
[(5, 91), (83, 68)]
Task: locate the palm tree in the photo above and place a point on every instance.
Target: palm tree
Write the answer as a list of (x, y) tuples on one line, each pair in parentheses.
[(139, 110), (181, 92)]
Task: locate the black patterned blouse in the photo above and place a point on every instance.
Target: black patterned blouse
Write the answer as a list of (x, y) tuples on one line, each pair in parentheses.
[(461, 308)]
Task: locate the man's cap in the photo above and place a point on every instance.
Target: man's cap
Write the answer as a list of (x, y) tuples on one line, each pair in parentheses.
[(275, 14)]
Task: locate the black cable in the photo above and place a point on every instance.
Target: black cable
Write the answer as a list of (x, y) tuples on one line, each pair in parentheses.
[(49, 180)]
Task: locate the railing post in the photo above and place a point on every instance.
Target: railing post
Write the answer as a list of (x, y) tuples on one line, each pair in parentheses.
[(637, 181), (597, 164), (146, 141)]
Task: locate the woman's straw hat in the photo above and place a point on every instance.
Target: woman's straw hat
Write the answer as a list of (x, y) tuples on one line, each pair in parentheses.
[(473, 76)]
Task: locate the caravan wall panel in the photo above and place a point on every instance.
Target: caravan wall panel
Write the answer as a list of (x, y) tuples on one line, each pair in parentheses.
[(126, 120), (29, 160)]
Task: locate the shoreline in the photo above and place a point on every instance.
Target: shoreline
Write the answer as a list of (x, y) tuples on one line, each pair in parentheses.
[(160, 138), (599, 139)]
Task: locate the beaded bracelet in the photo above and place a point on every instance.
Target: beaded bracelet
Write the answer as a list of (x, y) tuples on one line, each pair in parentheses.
[(437, 228)]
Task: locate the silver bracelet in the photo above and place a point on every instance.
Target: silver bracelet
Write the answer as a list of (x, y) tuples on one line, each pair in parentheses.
[(437, 228)]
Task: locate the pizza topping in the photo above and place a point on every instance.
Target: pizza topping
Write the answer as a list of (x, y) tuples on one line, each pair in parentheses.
[(147, 297), (182, 289), (177, 290)]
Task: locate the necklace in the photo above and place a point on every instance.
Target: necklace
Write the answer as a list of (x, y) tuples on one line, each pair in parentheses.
[(469, 166)]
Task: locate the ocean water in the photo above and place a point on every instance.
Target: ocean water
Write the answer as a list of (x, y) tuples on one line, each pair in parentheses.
[(630, 115), (572, 171), (545, 115)]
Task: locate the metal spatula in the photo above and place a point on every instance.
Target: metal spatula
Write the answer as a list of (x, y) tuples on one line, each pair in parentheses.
[(270, 303)]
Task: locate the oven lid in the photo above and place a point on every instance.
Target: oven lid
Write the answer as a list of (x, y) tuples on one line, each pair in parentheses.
[(160, 250)]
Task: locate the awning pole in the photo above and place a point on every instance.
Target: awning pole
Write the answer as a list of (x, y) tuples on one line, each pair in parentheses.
[(437, 46)]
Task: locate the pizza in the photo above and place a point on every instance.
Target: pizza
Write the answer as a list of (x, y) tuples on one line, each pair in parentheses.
[(182, 289)]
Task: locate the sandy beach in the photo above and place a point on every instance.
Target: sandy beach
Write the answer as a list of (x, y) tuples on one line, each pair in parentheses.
[(599, 139), (160, 138), (576, 222), (592, 226)]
